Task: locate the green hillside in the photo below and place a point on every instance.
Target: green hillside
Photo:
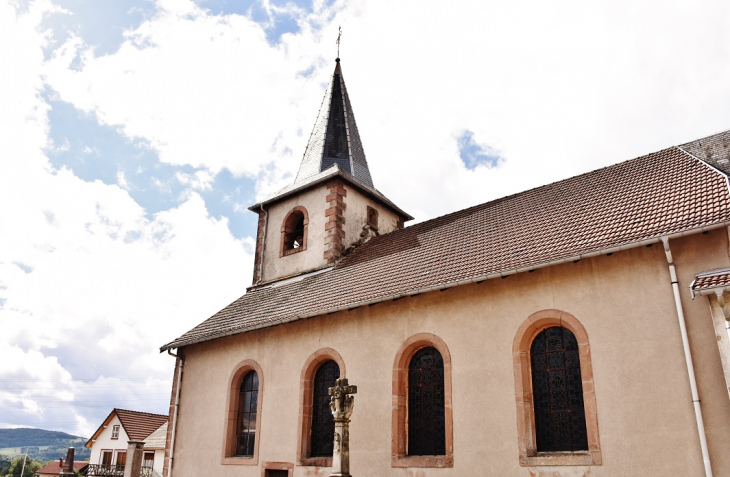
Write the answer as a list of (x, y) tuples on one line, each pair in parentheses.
[(41, 444)]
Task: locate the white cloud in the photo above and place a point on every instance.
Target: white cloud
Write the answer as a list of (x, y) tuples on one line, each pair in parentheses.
[(89, 286), (558, 89), (200, 180)]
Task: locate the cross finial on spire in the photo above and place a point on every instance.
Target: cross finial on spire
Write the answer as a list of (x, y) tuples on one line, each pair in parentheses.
[(339, 35)]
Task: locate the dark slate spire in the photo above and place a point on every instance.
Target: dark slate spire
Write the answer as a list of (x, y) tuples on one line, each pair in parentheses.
[(335, 139)]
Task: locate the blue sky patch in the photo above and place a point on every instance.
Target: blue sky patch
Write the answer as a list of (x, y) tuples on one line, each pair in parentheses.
[(93, 151), (100, 24), (275, 24), (474, 155)]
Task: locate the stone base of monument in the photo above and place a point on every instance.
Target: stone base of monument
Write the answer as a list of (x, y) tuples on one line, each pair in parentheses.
[(341, 404)]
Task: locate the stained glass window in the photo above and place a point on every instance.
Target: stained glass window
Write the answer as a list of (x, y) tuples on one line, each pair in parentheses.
[(557, 391), (248, 400), (426, 421), (323, 423)]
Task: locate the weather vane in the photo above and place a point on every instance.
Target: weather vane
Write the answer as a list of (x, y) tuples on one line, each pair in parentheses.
[(339, 35)]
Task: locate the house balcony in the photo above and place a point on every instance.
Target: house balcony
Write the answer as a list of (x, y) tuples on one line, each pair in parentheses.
[(109, 470)]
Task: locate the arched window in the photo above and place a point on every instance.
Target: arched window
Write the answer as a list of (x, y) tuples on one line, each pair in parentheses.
[(560, 421), (557, 418), (316, 425), (426, 423), (372, 218), (243, 415), (323, 424), (294, 231), (423, 422), (247, 413)]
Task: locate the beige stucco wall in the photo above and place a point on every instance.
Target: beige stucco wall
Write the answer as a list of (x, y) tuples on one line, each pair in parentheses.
[(105, 442), (356, 215), (314, 200), (624, 301), (310, 259)]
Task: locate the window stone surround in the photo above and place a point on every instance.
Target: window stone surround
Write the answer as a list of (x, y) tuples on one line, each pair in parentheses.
[(526, 436), (306, 384), (228, 456), (399, 432)]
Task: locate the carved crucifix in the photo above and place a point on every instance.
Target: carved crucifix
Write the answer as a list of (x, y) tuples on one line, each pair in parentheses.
[(341, 404)]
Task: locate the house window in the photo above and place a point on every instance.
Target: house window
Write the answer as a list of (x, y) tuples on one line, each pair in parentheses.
[(278, 469), (121, 458), (422, 429), (557, 391), (323, 423), (243, 416), (115, 432), (106, 457), (426, 423), (277, 473), (555, 396), (247, 412), (294, 231), (372, 218), (148, 460)]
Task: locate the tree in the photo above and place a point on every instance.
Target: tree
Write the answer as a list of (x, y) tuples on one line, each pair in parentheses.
[(17, 465)]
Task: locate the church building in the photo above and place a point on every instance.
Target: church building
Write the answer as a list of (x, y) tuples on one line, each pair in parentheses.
[(574, 329)]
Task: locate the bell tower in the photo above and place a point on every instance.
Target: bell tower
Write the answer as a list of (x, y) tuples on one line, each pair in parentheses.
[(331, 206)]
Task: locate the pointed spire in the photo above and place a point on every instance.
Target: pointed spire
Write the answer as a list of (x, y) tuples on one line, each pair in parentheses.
[(335, 139)]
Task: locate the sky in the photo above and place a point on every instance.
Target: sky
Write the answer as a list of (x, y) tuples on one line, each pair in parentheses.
[(134, 134)]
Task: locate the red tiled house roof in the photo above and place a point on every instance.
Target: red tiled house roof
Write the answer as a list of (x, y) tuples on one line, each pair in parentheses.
[(660, 194), (54, 467), (139, 425), (709, 280), (136, 424)]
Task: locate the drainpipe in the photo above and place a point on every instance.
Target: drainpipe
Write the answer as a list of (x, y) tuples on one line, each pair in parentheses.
[(688, 359), (263, 245), (180, 361)]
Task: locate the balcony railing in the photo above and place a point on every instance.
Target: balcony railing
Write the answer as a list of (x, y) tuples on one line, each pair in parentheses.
[(105, 470), (109, 470)]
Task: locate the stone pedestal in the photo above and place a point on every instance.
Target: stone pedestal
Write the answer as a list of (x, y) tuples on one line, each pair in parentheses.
[(341, 404), (135, 454)]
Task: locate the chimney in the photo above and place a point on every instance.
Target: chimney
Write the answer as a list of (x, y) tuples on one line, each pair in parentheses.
[(68, 468)]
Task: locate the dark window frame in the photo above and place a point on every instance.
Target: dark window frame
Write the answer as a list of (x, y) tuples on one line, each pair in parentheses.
[(247, 413), (294, 229), (306, 395), (426, 407), (399, 436), (527, 445), (323, 423), (557, 389), (240, 371)]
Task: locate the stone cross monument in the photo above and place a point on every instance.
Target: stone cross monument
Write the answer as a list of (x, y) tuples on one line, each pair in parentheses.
[(341, 404)]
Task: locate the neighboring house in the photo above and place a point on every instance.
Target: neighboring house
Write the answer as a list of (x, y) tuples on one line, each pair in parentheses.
[(54, 467), (548, 333), (110, 441)]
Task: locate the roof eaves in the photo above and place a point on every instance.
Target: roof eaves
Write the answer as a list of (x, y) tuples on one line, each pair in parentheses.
[(101, 428), (440, 286), (333, 171)]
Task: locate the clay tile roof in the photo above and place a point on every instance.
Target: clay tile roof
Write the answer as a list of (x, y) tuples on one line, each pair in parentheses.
[(642, 199), (713, 279), (54, 467), (139, 425)]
